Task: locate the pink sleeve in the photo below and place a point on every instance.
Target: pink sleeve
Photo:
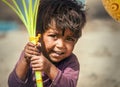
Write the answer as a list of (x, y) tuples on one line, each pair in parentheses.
[(14, 81), (68, 78)]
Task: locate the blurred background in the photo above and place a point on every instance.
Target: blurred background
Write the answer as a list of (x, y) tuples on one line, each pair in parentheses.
[(98, 49)]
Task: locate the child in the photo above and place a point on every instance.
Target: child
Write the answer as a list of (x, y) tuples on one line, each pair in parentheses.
[(60, 24)]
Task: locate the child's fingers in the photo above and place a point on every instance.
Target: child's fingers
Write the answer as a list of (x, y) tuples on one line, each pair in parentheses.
[(31, 52), (36, 63), (38, 46), (31, 47), (30, 44)]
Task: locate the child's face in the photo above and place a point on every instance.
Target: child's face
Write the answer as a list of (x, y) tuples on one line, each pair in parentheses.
[(58, 46)]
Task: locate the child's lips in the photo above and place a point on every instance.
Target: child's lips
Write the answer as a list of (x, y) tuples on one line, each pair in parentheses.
[(57, 53)]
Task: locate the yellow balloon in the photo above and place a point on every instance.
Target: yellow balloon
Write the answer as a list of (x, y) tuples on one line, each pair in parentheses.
[(113, 8)]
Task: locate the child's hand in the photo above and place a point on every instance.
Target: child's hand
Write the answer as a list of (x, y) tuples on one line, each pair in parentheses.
[(40, 63), (37, 60), (30, 50)]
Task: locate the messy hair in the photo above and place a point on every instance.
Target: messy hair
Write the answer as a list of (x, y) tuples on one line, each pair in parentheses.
[(67, 14)]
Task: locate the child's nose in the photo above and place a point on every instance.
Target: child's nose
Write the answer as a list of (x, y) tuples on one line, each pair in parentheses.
[(60, 43)]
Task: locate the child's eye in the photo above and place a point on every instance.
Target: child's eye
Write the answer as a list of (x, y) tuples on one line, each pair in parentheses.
[(53, 36), (70, 39)]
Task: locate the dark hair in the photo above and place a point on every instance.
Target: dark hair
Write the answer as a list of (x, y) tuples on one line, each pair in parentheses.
[(67, 14)]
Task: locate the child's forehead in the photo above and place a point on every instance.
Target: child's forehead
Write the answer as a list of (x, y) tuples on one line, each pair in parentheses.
[(52, 27), (60, 31)]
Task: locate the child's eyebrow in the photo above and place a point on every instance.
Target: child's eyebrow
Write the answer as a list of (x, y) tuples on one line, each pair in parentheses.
[(53, 30)]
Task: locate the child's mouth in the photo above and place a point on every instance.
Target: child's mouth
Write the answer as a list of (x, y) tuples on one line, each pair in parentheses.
[(57, 53)]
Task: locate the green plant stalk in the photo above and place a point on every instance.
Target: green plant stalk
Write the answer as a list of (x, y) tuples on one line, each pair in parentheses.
[(29, 20)]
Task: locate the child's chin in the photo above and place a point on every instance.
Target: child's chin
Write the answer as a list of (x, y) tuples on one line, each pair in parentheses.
[(54, 60)]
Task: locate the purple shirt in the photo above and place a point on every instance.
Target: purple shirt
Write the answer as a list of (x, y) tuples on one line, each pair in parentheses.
[(67, 76)]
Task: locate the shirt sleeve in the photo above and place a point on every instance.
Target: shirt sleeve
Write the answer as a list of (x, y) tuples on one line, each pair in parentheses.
[(67, 77), (14, 81)]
